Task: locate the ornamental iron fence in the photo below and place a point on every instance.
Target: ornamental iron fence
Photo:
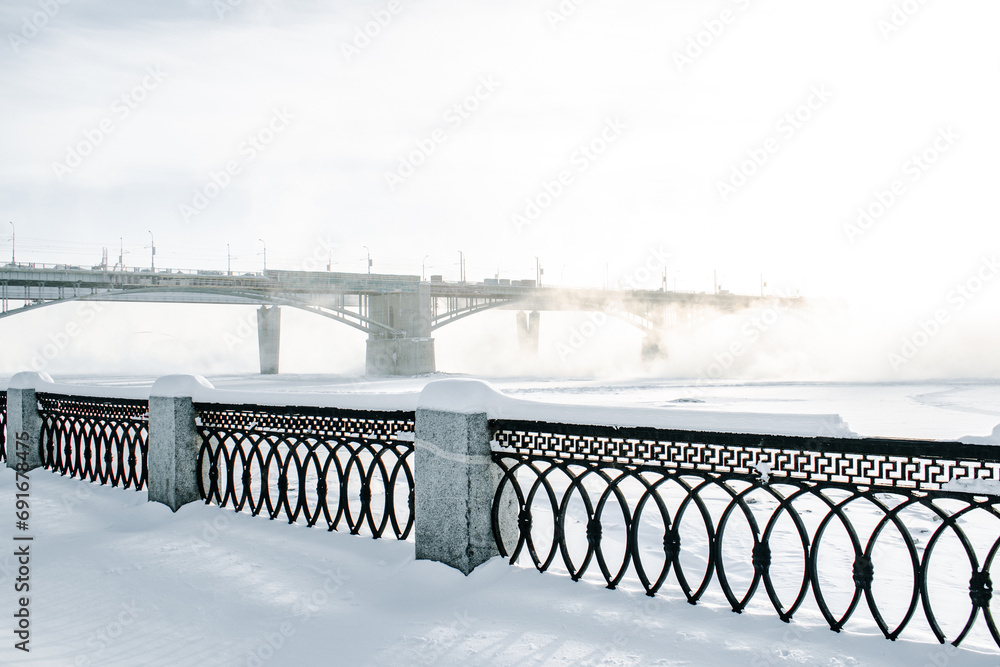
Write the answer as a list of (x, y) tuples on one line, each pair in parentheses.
[(874, 523), (346, 467), (824, 526), (3, 425), (96, 439)]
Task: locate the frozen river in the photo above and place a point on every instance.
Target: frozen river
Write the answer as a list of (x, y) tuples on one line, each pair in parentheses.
[(941, 409)]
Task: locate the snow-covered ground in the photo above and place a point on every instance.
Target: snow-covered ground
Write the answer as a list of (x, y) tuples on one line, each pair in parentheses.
[(118, 581)]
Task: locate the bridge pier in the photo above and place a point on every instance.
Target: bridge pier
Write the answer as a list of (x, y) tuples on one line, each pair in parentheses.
[(399, 356), (409, 351), (653, 347), (527, 330), (268, 338)]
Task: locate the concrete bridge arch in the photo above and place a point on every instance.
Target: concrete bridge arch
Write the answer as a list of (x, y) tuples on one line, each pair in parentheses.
[(398, 313)]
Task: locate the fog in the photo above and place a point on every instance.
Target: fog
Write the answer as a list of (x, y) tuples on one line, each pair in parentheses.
[(826, 341), (844, 153)]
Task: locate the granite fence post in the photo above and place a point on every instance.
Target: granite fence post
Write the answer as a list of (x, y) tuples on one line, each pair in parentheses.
[(454, 475), (174, 442), (24, 423)]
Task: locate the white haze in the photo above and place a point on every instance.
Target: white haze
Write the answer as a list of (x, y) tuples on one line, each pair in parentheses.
[(317, 193)]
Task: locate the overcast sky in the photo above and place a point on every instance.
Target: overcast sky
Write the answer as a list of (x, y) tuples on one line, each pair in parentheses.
[(740, 137)]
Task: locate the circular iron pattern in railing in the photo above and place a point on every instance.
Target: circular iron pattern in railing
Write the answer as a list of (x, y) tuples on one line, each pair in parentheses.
[(101, 440), (893, 551), (322, 466)]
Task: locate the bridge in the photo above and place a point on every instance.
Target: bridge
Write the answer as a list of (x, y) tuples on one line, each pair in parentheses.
[(399, 313)]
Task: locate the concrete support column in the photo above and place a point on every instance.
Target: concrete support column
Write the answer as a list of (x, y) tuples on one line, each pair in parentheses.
[(24, 423), (269, 338), (399, 356), (454, 475), (653, 347), (410, 350), (174, 441), (527, 331)]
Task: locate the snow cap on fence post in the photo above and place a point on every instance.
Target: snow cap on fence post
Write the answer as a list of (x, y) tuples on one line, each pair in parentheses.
[(173, 440), (24, 423), (454, 476)]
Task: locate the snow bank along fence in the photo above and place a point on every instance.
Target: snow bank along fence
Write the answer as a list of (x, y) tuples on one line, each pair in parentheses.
[(897, 527)]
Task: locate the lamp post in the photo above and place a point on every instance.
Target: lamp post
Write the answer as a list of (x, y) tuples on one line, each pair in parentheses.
[(13, 242), (152, 255), (265, 253), (369, 253), (423, 267)]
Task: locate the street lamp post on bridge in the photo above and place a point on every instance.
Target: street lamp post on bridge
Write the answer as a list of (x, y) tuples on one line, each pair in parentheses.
[(152, 255)]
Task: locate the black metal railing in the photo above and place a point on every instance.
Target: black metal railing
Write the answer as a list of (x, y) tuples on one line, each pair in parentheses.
[(97, 439), (3, 426), (852, 521), (315, 465)]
